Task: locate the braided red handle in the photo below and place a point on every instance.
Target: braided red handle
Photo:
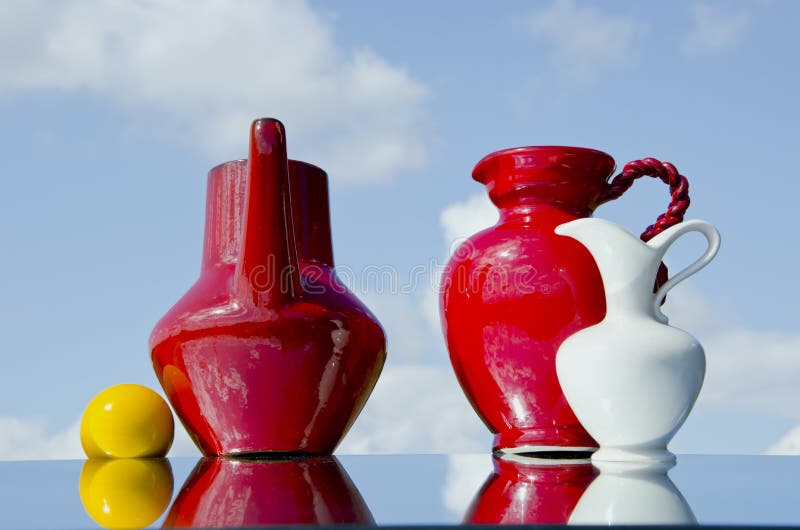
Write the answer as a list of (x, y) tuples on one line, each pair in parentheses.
[(650, 167), (679, 203)]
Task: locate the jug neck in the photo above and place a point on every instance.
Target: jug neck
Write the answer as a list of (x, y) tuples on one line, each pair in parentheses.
[(311, 212), (628, 277), (533, 211), (225, 194), (569, 178), (636, 298), (224, 208)]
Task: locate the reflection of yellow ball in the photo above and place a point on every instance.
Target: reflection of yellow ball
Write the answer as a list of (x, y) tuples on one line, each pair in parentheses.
[(127, 421), (126, 493)]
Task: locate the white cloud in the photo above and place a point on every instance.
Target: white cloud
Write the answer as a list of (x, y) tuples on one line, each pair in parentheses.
[(408, 335), (789, 444), (753, 370), (714, 27), (689, 309), (204, 69), (747, 369), (417, 409), (586, 40), (27, 439), (462, 219)]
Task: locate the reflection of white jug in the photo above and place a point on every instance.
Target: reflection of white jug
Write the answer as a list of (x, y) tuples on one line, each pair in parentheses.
[(632, 379), (624, 495)]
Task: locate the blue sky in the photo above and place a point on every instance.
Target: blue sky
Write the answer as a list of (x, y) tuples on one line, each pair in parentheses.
[(111, 116)]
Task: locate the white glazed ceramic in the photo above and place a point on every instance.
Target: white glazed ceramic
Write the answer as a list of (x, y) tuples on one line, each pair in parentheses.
[(632, 379), (624, 494)]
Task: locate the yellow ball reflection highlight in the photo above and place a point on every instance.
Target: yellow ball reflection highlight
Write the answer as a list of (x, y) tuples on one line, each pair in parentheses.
[(126, 493), (127, 421)]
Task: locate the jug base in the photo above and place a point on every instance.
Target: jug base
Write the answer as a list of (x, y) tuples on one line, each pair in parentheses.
[(549, 452), (545, 442), (268, 455), (550, 458)]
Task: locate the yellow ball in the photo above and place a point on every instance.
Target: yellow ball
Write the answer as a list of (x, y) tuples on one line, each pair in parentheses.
[(127, 492), (127, 421)]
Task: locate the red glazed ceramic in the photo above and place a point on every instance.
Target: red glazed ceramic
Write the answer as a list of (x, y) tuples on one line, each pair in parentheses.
[(231, 493), (530, 491), (512, 293), (267, 352)]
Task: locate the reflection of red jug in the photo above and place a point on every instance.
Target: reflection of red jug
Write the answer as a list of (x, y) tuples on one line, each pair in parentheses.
[(512, 293), (267, 352), (223, 492), (530, 491)]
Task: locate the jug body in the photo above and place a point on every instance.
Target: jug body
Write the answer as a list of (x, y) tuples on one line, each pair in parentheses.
[(512, 293), (252, 359), (632, 382), (632, 379)]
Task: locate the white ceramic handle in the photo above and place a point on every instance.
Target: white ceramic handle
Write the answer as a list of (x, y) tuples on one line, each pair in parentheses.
[(666, 238)]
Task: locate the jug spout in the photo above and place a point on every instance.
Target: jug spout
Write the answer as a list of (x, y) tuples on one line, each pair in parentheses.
[(267, 271)]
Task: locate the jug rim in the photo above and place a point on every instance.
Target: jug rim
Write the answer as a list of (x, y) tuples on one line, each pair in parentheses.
[(243, 161), (480, 173)]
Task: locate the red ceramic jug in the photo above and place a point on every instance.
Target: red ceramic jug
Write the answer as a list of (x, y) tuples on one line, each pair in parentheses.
[(267, 352), (232, 493), (513, 292), (530, 492)]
